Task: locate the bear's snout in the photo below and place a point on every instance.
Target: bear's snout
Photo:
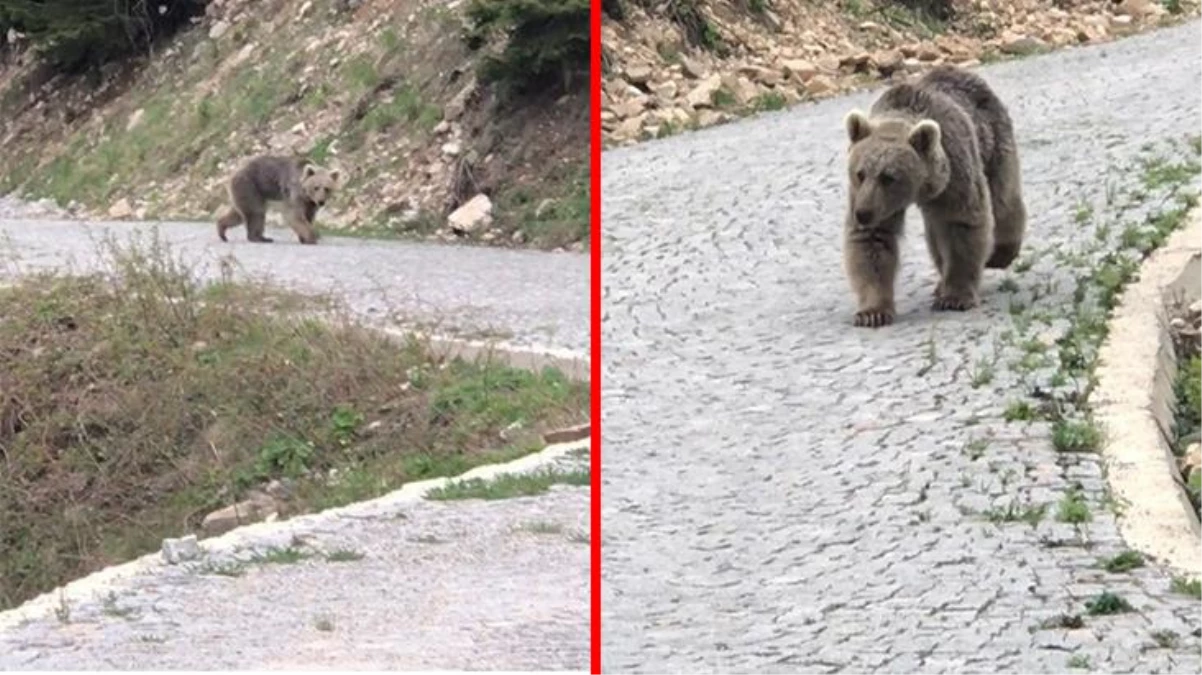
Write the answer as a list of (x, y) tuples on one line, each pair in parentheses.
[(863, 216)]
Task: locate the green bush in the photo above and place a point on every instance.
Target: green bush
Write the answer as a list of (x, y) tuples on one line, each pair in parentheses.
[(74, 35), (940, 10), (546, 42)]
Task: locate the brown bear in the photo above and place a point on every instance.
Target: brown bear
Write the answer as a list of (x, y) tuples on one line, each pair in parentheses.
[(301, 186), (946, 144)]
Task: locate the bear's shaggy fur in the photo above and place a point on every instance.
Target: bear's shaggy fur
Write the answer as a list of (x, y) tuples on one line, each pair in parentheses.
[(302, 188), (946, 144)]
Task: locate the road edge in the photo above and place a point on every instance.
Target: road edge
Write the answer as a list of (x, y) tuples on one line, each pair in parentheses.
[(1134, 402)]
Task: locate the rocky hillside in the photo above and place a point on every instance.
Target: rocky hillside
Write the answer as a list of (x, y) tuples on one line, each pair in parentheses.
[(679, 64), (388, 90)]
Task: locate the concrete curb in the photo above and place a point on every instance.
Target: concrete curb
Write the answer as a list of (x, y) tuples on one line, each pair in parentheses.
[(571, 363), (278, 533), (1134, 403)]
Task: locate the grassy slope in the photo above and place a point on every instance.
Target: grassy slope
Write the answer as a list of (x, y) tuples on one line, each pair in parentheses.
[(134, 403), (364, 90)]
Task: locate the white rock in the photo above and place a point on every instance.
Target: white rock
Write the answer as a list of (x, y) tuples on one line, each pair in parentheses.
[(179, 550), (476, 212), (703, 94), (218, 29), (121, 209), (255, 509), (134, 119)]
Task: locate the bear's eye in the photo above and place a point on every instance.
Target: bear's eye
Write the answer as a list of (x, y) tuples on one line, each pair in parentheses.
[(886, 179), (860, 176)]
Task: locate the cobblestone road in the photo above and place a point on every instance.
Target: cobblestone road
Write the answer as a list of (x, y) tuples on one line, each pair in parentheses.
[(525, 298), (784, 493)]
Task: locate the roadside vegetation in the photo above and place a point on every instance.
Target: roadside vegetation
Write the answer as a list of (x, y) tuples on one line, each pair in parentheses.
[(134, 402)]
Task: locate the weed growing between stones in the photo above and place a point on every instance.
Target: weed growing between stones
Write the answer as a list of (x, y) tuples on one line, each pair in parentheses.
[(1106, 603), (1165, 639), (343, 555), (1122, 562), (1073, 509), (1076, 436), (1079, 661), (1013, 512), (1060, 621), (975, 449)]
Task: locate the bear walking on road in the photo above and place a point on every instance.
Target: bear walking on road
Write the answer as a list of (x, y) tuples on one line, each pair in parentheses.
[(300, 186), (946, 144)]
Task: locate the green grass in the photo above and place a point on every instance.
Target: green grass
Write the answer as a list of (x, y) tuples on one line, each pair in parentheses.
[(541, 527), (1073, 509), (1076, 436), (508, 486), (1185, 586), (1122, 562), (170, 399), (1107, 603), (1165, 639), (288, 555), (1012, 513), (343, 555), (768, 101), (1079, 661), (556, 214), (1018, 411), (975, 449)]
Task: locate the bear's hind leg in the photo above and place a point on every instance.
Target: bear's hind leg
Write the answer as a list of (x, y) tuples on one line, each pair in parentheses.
[(1009, 212), (936, 258)]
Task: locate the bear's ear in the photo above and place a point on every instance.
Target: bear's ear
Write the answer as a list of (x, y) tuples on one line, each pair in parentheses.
[(335, 175), (309, 170), (925, 137), (858, 127)]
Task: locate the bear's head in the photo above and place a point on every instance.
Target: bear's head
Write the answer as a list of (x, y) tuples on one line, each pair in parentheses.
[(318, 184), (891, 164)]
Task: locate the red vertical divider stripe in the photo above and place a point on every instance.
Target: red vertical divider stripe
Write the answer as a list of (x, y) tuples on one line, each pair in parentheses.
[(595, 334)]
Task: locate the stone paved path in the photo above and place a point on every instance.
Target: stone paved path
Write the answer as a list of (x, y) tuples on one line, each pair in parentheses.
[(442, 586), (783, 493)]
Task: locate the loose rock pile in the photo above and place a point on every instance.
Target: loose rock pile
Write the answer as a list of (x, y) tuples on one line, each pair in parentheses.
[(795, 50)]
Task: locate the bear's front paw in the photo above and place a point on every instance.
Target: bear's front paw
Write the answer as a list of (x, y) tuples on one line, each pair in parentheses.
[(873, 318), (955, 302)]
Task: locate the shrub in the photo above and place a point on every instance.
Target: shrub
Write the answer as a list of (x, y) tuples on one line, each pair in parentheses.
[(940, 10), (74, 35), (546, 42)]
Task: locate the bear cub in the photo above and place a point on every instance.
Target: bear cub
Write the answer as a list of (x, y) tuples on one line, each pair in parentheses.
[(946, 144), (299, 185)]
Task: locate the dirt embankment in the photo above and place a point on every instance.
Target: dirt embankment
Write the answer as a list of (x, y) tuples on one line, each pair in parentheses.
[(695, 63), (386, 89)]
